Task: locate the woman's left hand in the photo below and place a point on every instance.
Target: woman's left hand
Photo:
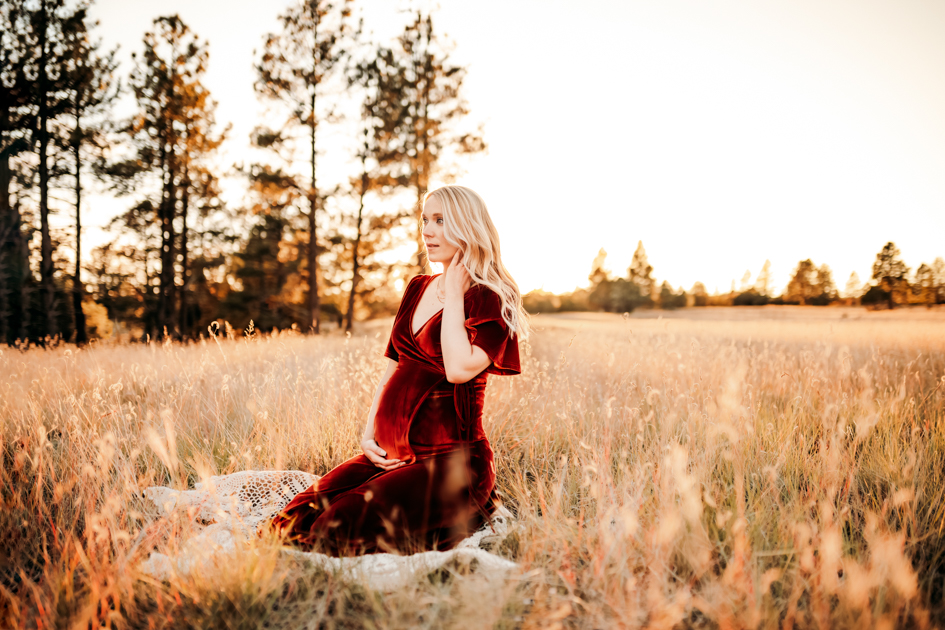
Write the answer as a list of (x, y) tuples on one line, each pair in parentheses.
[(457, 279)]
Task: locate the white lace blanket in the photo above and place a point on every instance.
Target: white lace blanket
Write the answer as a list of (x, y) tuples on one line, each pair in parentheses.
[(234, 506)]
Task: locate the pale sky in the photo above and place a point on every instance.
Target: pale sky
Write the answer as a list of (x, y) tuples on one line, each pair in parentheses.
[(719, 133)]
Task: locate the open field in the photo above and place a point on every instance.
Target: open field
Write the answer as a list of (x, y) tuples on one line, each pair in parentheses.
[(727, 468)]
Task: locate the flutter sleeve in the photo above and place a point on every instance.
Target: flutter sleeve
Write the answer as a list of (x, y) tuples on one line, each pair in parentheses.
[(486, 329), (391, 351)]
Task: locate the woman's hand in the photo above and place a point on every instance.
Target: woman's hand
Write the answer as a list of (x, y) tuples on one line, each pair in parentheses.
[(378, 456), (456, 278)]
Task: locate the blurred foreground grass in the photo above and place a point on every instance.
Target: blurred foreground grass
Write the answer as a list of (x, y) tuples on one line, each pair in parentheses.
[(760, 473)]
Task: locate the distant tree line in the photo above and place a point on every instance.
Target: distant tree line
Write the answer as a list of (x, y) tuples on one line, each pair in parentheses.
[(891, 285), (298, 251)]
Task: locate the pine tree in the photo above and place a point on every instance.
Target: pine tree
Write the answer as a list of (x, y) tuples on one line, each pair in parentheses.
[(41, 26), (938, 273), (763, 281), (112, 272), (46, 35), (91, 88), (640, 275), (297, 68), (669, 299), (811, 284), (699, 294), (374, 106), (364, 186), (923, 289), (172, 134), (423, 138), (600, 293), (599, 272), (825, 289), (263, 270), (890, 272), (802, 286), (746, 282), (199, 185), (854, 287), (17, 118)]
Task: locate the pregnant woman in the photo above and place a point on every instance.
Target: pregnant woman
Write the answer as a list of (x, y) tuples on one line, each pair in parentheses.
[(426, 478)]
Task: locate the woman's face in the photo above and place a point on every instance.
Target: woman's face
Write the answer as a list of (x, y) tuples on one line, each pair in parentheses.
[(438, 250)]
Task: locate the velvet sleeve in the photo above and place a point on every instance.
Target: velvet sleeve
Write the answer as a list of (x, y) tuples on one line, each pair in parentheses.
[(486, 329), (391, 351)]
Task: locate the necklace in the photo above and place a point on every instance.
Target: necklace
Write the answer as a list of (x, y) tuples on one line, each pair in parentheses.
[(438, 283)]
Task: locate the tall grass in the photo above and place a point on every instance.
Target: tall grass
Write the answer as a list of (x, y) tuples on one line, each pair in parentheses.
[(665, 473)]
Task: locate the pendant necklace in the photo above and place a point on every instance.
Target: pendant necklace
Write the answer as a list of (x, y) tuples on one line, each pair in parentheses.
[(438, 283)]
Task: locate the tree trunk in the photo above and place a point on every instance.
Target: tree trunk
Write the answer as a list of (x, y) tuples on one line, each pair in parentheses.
[(168, 238), (423, 166), (159, 320), (77, 290), (46, 265), (349, 319), (184, 280), (280, 270), (22, 277), (314, 306), (6, 237)]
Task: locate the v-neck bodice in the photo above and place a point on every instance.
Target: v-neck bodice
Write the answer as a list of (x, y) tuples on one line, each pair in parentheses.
[(416, 303)]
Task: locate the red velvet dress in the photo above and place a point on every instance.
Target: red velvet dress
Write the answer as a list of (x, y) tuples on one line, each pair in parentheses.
[(446, 489)]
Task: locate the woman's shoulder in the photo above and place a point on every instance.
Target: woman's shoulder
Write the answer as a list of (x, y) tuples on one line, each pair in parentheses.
[(485, 301), (408, 295), (418, 280), (484, 293)]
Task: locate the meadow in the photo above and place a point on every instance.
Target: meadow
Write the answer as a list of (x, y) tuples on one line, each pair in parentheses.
[(709, 468)]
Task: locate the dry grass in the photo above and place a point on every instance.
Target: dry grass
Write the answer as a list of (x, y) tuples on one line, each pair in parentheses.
[(774, 470)]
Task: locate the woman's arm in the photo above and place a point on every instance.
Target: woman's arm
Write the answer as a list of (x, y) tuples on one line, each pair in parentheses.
[(461, 359), (372, 451)]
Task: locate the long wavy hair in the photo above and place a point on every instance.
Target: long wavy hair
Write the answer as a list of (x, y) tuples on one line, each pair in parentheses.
[(468, 226)]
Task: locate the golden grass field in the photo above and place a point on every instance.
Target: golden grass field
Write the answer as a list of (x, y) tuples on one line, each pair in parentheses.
[(716, 468)]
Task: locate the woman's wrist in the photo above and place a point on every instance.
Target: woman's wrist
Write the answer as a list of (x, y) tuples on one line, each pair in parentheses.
[(454, 301)]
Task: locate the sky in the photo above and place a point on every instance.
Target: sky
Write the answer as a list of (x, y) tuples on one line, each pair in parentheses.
[(720, 134)]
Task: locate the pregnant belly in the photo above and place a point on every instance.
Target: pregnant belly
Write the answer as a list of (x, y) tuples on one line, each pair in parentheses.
[(400, 400)]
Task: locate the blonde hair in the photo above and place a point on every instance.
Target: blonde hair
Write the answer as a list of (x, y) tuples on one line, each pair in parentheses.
[(468, 226)]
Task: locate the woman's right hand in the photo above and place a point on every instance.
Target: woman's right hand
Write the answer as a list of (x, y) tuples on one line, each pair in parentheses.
[(378, 456)]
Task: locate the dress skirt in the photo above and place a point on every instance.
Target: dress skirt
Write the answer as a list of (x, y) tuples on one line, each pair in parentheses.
[(432, 503)]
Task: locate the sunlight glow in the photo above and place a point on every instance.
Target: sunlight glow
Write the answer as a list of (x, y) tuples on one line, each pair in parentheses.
[(721, 134)]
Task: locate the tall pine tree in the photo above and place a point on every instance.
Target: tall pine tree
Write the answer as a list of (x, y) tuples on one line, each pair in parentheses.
[(425, 134), (763, 281), (171, 134), (17, 118), (296, 69), (267, 263), (890, 273), (91, 88), (198, 188), (640, 276), (47, 21), (374, 232)]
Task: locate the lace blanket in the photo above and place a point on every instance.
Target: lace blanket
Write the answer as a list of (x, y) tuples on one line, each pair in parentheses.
[(230, 509)]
